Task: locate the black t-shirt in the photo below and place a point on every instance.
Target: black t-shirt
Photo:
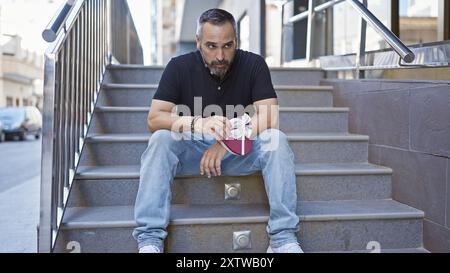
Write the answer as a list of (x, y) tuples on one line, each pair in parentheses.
[(186, 77)]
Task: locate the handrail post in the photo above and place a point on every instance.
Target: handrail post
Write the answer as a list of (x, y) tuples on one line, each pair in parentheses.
[(109, 31), (311, 29), (282, 35), (360, 55), (47, 217)]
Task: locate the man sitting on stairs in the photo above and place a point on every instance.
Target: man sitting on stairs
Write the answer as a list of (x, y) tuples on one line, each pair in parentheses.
[(221, 75)]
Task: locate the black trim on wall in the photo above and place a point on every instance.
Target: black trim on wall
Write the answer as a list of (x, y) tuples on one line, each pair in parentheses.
[(262, 23), (300, 30), (395, 17), (446, 19)]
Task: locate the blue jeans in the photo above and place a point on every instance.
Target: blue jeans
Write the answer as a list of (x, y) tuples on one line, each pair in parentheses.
[(170, 153)]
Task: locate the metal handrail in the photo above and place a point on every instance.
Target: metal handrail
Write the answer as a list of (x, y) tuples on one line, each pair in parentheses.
[(56, 24), (319, 8), (401, 49), (75, 65)]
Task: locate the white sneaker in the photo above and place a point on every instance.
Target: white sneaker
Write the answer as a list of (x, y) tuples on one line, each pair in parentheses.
[(286, 248), (149, 249)]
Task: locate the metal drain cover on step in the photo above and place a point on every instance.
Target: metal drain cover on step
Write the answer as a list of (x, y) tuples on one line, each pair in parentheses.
[(233, 191), (242, 240)]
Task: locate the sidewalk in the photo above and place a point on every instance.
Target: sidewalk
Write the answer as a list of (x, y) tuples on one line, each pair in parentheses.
[(19, 216)]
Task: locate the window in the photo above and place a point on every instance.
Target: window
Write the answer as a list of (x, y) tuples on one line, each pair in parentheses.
[(418, 21), (9, 102), (347, 27), (244, 33)]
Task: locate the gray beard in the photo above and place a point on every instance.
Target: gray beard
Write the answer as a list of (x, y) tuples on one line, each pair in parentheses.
[(220, 73)]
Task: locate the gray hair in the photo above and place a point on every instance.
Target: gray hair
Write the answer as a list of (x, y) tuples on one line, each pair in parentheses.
[(215, 17)]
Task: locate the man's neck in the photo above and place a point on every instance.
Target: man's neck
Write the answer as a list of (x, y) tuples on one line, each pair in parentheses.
[(219, 78)]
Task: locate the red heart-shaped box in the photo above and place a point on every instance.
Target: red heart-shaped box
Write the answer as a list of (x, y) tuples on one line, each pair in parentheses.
[(234, 146)]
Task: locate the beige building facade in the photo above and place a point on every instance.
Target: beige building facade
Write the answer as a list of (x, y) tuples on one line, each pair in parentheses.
[(21, 74)]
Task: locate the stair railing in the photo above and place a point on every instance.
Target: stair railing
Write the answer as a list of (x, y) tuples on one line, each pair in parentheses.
[(85, 36), (367, 17)]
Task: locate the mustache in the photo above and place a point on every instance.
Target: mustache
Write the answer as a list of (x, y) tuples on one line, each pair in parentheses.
[(224, 62)]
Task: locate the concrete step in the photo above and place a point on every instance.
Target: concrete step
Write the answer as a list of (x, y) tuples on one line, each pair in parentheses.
[(296, 76), (136, 74), (126, 149), (304, 96), (325, 226), (372, 250), (140, 95), (152, 75), (116, 120), (118, 185)]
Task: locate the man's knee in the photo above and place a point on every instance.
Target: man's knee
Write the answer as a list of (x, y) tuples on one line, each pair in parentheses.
[(272, 133), (162, 137), (161, 143), (163, 140), (272, 139)]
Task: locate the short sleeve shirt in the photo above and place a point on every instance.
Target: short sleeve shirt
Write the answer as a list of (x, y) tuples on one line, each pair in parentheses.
[(187, 81)]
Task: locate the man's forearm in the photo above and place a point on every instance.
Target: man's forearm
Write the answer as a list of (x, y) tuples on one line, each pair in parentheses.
[(264, 119), (169, 121)]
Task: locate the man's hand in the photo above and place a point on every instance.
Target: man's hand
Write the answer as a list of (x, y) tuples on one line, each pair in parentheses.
[(211, 160), (217, 126)]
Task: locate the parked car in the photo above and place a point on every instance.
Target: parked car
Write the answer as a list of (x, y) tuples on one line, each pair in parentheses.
[(21, 121), (2, 134)]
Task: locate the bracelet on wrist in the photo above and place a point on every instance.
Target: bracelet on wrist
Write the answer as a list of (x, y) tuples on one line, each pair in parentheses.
[(193, 123)]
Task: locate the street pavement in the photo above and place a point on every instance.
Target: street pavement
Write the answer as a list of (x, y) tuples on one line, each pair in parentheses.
[(19, 195)]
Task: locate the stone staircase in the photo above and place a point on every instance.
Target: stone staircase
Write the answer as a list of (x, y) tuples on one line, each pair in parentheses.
[(344, 202)]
